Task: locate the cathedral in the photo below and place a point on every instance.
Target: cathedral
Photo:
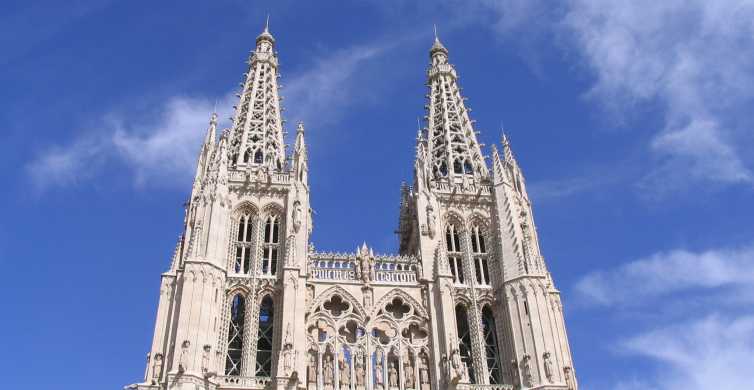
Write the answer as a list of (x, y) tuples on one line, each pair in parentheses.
[(248, 303)]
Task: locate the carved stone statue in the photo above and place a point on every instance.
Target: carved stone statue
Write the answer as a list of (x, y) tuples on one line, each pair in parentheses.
[(424, 370), (457, 363), (183, 359), (206, 368), (408, 374), (328, 371), (289, 359), (359, 363), (297, 213), (526, 371), (157, 368), (431, 221), (378, 369), (548, 366), (393, 375), (311, 369), (516, 374), (568, 373), (446, 366), (345, 373)]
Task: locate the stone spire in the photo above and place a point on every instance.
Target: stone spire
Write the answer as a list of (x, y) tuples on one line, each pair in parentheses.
[(256, 138), (453, 149)]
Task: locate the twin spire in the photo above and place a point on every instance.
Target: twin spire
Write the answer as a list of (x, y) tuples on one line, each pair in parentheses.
[(256, 138)]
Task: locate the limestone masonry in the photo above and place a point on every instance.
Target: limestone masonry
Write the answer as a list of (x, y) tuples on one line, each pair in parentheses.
[(248, 303)]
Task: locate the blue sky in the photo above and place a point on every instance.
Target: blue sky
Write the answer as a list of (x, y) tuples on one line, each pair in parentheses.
[(632, 121)]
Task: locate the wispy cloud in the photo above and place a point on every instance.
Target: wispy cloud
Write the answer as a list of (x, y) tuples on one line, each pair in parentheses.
[(712, 352), (161, 150), (682, 56), (325, 91), (701, 346), (666, 273)]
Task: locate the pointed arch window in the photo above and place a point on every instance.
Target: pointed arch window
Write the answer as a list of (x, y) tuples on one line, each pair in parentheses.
[(258, 157), (481, 259), (491, 352), (464, 340), (457, 166), (247, 156), (271, 246), (455, 257), (233, 357), (264, 337), (244, 244), (467, 168)]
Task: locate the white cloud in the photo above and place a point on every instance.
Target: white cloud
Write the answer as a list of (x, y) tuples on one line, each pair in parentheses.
[(707, 342), (162, 150), (686, 57), (327, 88), (666, 273), (713, 352)]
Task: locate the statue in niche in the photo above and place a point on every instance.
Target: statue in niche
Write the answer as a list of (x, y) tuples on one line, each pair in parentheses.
[(526, 371), (183, 360), (345, 373), (431, 221), (157, 368), (457, 364), (328, 371), (297, 213), (359, 368), (378, 369), (408, 374), (289, 357), (393, 375), (548, 366), (311, 368), (445, 365), (567, 373), (424, 370), (516, 374), (206, 371)]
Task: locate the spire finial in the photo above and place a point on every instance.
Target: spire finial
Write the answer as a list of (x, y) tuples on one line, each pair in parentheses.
[(434, 26), (267, 24)]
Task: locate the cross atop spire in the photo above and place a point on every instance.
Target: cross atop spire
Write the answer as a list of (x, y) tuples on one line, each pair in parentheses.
[(437, 46), (265, 35)]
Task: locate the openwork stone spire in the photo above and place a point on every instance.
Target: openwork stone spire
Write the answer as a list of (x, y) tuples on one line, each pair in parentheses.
[(257, 133), (454, 153)]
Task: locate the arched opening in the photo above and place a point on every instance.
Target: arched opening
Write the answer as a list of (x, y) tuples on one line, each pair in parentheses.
[(244, 244), (453, 246), (258, 157), (457, 166), (233, 357), (247, 156), (271, 246), (464, 340), (264, 337), (467, 168), (491, 353), (479, 251)]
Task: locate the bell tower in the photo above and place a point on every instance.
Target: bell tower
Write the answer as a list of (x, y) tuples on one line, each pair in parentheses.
[(496, 315)]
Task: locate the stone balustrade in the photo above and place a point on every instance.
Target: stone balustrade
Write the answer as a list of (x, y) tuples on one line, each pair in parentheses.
[(349, 267), (464, 386), (242, 382)]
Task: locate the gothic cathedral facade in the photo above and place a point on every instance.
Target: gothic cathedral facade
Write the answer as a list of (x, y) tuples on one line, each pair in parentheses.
[(248, 303)]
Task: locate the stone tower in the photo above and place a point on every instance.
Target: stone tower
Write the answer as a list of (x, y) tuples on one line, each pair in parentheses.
[(248, 303)]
